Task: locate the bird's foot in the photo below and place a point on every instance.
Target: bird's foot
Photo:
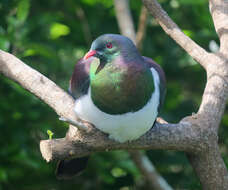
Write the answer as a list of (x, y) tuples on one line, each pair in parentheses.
[(161, 120)]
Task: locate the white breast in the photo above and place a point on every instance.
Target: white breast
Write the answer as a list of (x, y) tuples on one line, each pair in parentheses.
[(123, 127)]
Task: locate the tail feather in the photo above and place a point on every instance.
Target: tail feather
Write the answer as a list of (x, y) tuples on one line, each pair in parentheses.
[(66, 169)]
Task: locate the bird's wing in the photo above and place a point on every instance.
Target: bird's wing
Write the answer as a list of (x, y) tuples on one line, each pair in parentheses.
[(79, 82), (151, 63), (79, 85)]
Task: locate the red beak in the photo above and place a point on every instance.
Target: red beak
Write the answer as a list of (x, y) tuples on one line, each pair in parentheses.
[(89, 54)]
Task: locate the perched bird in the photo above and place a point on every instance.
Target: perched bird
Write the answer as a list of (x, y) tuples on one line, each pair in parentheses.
[(120, 95)]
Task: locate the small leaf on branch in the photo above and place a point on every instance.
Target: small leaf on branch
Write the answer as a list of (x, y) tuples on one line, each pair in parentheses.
[(50, 134)]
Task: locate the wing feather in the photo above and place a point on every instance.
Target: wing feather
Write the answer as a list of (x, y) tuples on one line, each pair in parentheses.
[(80, 81), (151, 63)]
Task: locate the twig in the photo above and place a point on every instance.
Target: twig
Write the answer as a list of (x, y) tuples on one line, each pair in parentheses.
[(141, 27), (85, 25), (124, 19)]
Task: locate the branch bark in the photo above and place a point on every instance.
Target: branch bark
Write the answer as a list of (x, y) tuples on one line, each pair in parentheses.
[(219, 12), (141, 27), (126, 24), (210, 168), (38, 84)]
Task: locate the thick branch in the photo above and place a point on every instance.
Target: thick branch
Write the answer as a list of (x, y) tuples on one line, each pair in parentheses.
[(182, 137), (219, 12), (216, 92), (37, 84), (193, 49), (204, 164)]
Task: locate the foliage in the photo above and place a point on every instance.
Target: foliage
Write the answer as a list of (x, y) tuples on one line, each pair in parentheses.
[(50, 36)]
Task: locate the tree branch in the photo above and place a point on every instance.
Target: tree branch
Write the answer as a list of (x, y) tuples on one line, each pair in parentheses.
[(210, 168), (141, 27), (148, 170), (193, 49), (183, 137), (216, 92), (38, 84), (124, 19), (219, 12)]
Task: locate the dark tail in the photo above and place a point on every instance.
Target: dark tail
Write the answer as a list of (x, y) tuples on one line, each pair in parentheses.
[(66, 169)]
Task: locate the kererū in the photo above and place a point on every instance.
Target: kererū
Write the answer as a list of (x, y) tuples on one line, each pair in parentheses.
[(120, 95)]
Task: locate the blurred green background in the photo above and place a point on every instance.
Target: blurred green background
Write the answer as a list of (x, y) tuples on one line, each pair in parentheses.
[(51, 36)]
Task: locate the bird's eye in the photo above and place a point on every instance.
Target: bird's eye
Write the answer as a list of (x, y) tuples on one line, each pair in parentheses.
[(109, 45)]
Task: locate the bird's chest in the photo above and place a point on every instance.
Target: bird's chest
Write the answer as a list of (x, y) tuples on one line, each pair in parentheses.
[(119, 91)]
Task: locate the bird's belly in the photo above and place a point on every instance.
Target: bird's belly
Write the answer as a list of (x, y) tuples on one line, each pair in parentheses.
[(122, 127)]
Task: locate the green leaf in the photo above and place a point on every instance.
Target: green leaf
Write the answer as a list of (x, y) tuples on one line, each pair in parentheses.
[(50, 134), (118, 172), (23, 10), (189, 33), (57, 30)]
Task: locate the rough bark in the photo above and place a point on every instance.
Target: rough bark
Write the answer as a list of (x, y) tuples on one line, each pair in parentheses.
[(219, 12), (196, 134)]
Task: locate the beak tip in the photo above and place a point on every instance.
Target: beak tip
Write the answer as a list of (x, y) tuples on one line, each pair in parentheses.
[(89, 54)]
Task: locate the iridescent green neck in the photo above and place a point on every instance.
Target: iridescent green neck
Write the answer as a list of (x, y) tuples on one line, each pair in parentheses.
[(118, 89)]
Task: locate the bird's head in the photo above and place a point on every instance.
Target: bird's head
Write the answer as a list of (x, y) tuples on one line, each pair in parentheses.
[(110, 46)]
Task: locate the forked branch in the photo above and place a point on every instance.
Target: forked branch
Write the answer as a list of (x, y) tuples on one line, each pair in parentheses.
[(171, 28)]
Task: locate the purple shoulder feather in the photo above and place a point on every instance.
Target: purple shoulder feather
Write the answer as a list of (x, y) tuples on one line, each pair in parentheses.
[(79, 82), (162, 86)]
